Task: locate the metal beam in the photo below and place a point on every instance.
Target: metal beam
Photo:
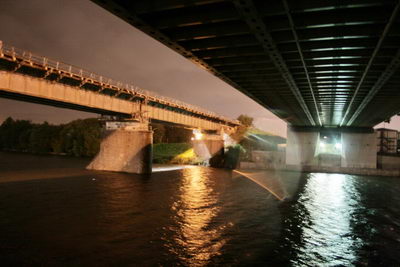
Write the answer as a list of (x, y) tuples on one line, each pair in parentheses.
[(376, 50), (253, 19), (334, 32), (230, 28), (157, 5), (128, 14), (220, 42), (386, 75), (193, 15), (231, 52)]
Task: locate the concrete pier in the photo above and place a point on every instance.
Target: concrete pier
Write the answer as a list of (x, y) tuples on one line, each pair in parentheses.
[(126, 147), (301, 148), (331, 148), (359, 150), (209, 147)]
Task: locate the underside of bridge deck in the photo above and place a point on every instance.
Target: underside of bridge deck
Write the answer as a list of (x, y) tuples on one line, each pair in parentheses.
[(312, 63)]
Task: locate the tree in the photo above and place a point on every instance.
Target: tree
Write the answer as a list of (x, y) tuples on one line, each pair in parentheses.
[(14, 134), (81, 137), (245, 123), (170, 134), (77, 138), (40, 138), (245, 120), (159, 132)]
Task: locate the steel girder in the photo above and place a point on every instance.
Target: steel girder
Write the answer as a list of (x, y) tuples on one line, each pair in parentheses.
[(326, 63)]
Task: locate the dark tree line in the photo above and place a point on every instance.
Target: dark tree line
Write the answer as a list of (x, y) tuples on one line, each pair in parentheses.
[(164, 133), (77, 138)]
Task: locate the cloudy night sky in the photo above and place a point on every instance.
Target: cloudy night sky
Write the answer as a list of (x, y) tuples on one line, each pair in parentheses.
[(83, 34)]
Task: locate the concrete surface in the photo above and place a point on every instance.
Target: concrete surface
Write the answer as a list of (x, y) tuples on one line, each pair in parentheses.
[(388, 162), (359, 150), (301, 148), (125, 151)]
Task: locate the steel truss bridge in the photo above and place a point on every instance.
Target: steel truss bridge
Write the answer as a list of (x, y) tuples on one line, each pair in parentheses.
[(33, 78), (312, 63)]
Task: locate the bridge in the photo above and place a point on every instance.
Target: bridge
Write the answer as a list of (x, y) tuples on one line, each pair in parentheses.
[(328, 68), (33, 78)]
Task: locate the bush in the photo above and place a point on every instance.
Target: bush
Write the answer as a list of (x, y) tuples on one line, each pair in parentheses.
[(180, 153), (232, 156)]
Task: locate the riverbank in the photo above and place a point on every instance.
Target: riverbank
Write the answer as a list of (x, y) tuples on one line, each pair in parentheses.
[(322, 169), (17, 166), (163, 153)]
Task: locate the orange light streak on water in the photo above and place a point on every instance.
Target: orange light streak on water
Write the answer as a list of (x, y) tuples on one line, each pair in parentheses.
[(260, 184)]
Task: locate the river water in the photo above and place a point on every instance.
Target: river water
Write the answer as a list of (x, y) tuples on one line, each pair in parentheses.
[(53, 212)]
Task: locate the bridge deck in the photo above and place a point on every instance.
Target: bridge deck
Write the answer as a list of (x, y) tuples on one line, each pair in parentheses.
[(330, 63), (92, 87)]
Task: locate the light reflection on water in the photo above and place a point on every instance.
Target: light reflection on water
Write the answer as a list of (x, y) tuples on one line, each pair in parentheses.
[(197, 239), (192, 217), (329, 201)]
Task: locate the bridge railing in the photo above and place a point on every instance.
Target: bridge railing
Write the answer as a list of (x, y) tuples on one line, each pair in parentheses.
[(34, 59)]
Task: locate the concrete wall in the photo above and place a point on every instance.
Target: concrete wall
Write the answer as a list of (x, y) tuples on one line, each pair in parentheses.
[(268, 159), (386, 162), (125, 151), (210, 149), (301, 148), (205, 149), (359, 150), (329, 160)]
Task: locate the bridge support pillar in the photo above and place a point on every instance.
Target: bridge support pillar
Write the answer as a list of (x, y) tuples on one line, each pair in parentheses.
[(126, 147), (209, 148), (301, 148), (335, 149), (359, 150)]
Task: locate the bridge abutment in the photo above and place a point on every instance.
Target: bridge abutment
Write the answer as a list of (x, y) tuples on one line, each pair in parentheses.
[(336, 149), (359, 150), (126, 147), (209, 148)]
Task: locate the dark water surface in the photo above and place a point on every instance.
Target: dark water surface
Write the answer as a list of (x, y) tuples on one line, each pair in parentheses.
[(53, 212)]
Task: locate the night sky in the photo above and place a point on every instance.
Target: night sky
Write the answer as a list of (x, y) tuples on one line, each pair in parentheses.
[(83, 34)]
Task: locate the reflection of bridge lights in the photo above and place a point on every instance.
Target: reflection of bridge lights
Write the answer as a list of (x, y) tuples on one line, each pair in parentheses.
[(329, 200), (196, 238)]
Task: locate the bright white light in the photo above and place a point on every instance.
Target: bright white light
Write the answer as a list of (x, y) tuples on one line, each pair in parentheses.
[(197, 134), (325, 137), (170, 168), (338, 146), (322, 144)]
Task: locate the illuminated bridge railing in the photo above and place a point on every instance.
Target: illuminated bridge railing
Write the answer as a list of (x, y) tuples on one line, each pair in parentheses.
[(34, 60)]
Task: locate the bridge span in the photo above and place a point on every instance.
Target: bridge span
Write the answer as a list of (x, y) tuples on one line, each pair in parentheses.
[(328, 68), (127, 144), (33, 78)]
